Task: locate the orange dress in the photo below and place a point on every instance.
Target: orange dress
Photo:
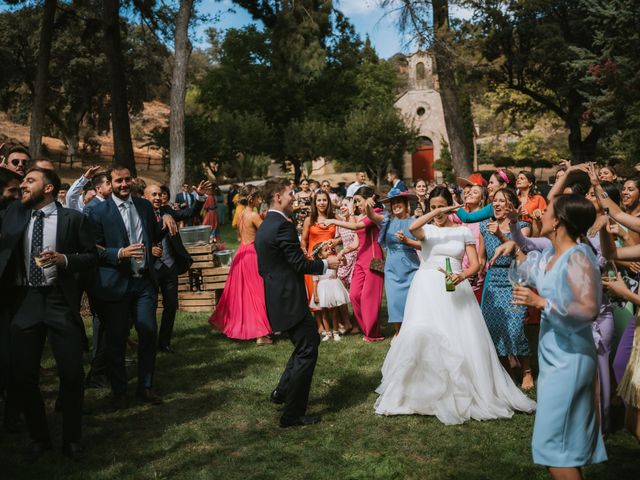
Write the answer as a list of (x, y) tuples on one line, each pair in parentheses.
[(533, 203), (317, 234)]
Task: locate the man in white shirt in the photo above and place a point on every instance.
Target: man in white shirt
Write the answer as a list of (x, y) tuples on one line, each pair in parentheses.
[(361, 181), (43, 249), (75, 198)]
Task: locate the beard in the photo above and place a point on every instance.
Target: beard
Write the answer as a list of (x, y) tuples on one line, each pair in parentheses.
[(6, 201), (34, 199)]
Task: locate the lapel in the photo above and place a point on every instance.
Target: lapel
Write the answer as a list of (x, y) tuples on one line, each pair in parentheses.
[(62, 228), (116, 219), (144, 219)]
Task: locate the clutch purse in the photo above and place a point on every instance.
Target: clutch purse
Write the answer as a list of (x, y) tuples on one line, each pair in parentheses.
[(376, 264)]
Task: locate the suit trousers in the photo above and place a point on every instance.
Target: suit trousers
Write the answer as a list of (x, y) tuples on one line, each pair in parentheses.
[(44, 312), (168, 282), (7, 385), (137, 306), (99, 343), (295, 382)]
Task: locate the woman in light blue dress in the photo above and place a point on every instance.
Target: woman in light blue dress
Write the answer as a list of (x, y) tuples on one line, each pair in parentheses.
[(566, 432), (402, 260)]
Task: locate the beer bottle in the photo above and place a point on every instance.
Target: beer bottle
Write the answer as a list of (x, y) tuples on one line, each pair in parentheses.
[(448, 283)]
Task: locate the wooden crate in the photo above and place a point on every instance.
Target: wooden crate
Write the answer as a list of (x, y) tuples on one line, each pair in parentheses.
[(214, 279)]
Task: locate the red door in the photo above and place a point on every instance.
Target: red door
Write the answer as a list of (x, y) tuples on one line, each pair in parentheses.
[(422, 163)]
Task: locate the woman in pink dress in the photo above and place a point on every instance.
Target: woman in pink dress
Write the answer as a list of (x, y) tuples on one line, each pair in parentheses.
[(366, 284), (241, 312)]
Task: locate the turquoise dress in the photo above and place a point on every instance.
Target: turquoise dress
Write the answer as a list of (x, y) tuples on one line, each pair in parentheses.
[(400, 266), (566, 432), (504, 320)]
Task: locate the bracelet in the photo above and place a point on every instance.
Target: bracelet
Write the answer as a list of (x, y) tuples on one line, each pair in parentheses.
[(604, 194)]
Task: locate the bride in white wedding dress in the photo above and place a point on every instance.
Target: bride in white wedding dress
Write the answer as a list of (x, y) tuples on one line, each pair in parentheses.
[(443, 361)]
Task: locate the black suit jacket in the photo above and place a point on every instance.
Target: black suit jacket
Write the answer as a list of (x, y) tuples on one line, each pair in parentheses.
[(178, 252), (114, 274), (282, 265), (74, 238)]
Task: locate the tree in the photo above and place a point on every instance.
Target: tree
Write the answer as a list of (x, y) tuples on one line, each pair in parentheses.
[(429, 21), (532, 48), (122, 144), (178, 95), (42, 77), (373, 140)]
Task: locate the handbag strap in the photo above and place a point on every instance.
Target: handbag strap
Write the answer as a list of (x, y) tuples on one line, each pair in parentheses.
[(373, 246)]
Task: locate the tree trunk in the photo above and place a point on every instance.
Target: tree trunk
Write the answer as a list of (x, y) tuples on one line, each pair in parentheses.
[(122, 145), (178, 95), (42, 78), (582, 150), (459, 142)]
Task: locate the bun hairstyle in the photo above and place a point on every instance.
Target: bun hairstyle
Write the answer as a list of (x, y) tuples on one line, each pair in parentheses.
[(441, 191), (248, 193), (576, 213), (366, 192), (510, 195), (505, 177)]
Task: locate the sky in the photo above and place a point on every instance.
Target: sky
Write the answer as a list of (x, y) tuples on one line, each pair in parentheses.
[(367, 17)]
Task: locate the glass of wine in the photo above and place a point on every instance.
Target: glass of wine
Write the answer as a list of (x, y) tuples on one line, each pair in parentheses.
[(518, 276)]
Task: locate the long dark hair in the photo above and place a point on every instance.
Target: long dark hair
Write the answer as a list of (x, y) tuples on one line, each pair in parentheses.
[(612, 190), (440, 191), (576, 213), (366, 192), (313, 217), (533, 189)]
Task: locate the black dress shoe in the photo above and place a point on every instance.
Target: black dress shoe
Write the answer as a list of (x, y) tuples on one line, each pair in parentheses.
[(277, 397), (166, 349), (300, 421), (36, 450), (148, 395), (73, 450), (119, 402)]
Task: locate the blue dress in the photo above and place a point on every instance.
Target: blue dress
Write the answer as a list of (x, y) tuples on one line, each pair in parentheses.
[(400, 266), (566, 432), (504, 321)]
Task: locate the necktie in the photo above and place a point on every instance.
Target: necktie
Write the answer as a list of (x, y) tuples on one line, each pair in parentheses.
[(36, 274), (158, 217)]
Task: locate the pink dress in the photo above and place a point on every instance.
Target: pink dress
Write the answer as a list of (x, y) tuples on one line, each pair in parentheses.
[(241, 312), (367, 285), (345, 272)]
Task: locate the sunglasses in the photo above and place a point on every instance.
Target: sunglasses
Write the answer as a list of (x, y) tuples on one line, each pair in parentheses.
[(17, 161)]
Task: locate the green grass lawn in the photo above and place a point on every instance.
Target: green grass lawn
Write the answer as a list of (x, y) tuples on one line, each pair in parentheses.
[(217, 422)]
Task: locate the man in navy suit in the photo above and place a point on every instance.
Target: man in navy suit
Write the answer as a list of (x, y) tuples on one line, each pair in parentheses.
[(126, 231), (186, 199), (397, 185), (282, 265)]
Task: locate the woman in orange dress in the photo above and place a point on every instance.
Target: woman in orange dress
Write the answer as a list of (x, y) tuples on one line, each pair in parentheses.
[(532, 204), (314, 233)]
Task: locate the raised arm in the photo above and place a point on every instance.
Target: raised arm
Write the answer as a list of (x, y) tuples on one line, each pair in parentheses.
[(416, 227), (484, 213), (372, 214)]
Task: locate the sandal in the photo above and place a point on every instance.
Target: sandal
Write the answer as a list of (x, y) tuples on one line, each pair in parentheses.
[(528, 385)]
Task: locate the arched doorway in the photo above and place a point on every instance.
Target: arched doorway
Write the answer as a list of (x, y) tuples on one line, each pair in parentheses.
[(422, 161)]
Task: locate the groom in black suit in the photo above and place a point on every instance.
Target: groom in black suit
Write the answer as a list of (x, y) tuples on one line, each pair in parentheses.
[(282, 265)]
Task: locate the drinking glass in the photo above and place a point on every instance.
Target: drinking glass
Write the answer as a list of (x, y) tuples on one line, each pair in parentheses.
[(518, 276)]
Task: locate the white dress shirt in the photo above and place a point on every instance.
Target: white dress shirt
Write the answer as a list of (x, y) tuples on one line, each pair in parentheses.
[(49, 232), (74, 195), (136, 235), (353, 188)]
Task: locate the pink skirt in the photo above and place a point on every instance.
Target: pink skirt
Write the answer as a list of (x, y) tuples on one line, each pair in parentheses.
[(241, 312)]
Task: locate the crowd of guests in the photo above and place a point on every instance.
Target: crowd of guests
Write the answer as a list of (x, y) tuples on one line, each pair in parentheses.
[(116, 238), (109, 235), (369, 229)]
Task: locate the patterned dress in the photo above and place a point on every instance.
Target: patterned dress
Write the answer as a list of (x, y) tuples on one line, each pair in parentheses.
[(504, 321), (345, 272)]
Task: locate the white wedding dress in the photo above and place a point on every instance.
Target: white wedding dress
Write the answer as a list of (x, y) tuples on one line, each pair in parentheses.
[(443, 361)]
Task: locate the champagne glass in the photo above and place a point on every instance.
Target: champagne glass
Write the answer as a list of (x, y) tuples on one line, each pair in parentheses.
[(139, 262)]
